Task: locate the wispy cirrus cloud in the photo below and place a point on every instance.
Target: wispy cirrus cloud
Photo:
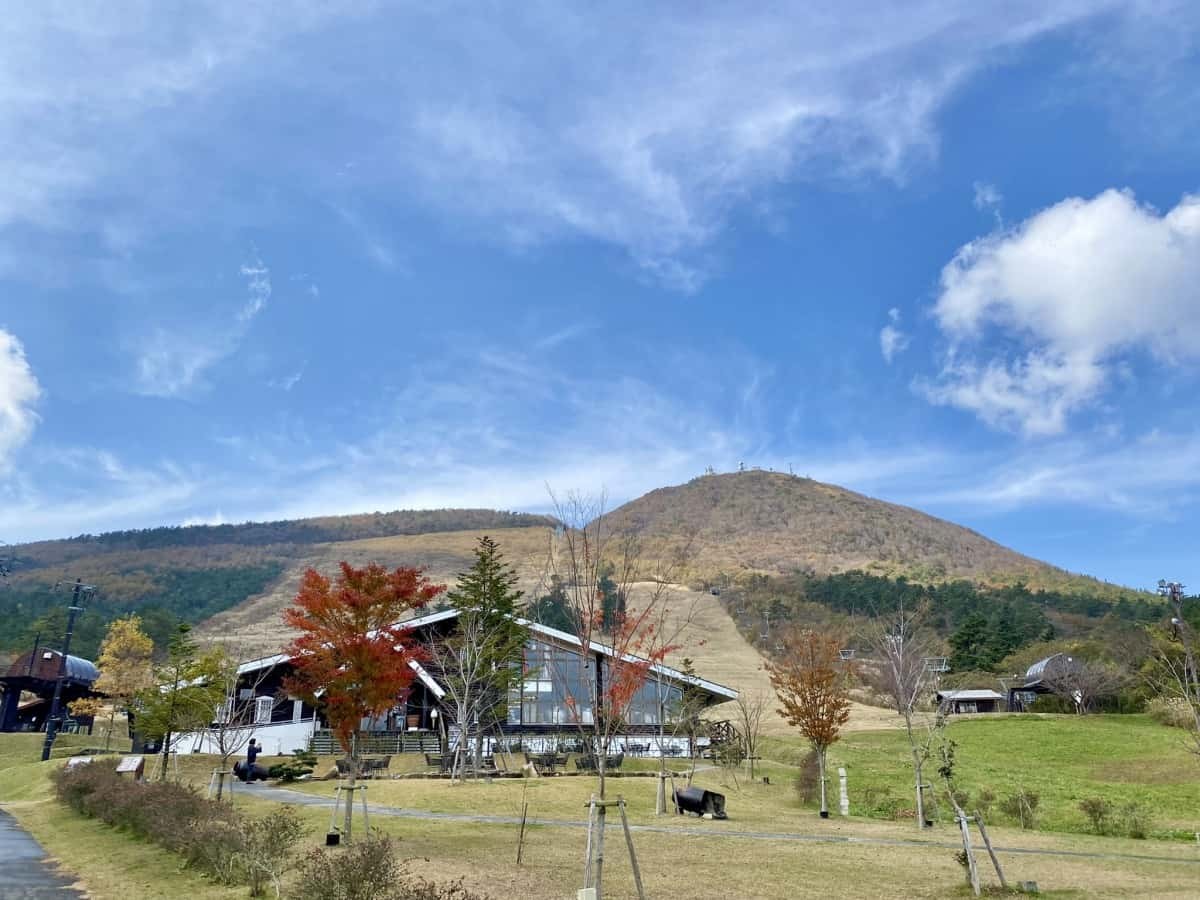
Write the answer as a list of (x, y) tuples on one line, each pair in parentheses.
[(508, 119), (892, 339), (170, 362)]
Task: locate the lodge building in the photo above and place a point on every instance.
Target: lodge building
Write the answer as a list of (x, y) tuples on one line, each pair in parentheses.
[(549, 704)]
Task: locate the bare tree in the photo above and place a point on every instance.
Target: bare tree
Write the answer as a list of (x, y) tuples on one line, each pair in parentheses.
[(750, 709), (1083, 682), (1176, 670), (590, 559), (813, 687), (237, 715), (900, 673)]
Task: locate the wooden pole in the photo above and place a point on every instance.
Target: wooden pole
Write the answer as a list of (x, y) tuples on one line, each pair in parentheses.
[(600, 817), (992, 853), (972, 870), (637, 871), (587, 864), (521, 836)]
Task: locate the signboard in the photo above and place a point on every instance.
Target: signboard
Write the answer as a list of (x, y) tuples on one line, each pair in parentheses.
[(134, 765)]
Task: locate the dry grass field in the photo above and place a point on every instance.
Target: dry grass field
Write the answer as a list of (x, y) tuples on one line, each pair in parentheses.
[(255, 627), (771, 847)]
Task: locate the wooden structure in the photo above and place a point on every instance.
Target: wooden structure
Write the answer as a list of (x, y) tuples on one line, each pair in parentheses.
[(546, 711), (971, 701), (1021, 696), (36, 673)]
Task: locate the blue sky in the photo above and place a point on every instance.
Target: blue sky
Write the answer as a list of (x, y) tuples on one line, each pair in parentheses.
[(263, 261)]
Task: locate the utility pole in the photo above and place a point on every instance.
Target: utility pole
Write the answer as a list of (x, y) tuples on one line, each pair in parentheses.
[(79, 591)]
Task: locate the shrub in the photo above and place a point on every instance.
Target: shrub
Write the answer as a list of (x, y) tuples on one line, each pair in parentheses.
[(1021, 807), (879, 804), (1135, 821), (984, 801), (302, 763), (1097, 810), (369, 870), (266, 848), (1173, 712), (808, 781), (210, 836)]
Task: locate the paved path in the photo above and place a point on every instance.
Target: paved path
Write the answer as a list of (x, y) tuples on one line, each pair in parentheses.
[(24, 874), (298, 798)]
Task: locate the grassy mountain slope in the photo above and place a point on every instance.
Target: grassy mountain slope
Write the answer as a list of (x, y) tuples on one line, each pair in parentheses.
[(199, 571), (773, 523), (255, 626)]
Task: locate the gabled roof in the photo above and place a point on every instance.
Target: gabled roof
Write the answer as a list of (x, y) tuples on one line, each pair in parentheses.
[(970, 695), (572, 641), (563, 638)]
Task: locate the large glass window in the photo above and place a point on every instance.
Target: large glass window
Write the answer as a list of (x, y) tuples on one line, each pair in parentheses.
[(653, 700), (556, 690)]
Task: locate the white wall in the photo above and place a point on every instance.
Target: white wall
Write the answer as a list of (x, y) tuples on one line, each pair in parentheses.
[(278, 739)]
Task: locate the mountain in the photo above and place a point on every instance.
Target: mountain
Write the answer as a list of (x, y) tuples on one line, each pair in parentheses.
[(198, 572), (772, 523), (232, 581)]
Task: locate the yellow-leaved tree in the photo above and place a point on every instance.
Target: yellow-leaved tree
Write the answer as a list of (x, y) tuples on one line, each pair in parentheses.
[(125, 666)]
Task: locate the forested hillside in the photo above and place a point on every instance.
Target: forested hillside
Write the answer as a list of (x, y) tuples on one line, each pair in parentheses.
[(189, 574)]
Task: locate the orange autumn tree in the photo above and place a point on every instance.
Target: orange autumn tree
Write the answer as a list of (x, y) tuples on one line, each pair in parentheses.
[(351, 655), (813, 685)]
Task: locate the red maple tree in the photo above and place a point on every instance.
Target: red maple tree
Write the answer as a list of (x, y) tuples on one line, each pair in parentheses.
[(352, 655)]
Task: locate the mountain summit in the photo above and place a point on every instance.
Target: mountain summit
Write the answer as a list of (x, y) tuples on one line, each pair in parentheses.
[(774, 523)]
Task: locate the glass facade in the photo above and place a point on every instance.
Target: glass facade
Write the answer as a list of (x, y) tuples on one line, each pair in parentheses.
[(556, 690), (653, 700)]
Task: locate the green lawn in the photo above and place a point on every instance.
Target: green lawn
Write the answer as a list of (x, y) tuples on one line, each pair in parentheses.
[(1064, 759)]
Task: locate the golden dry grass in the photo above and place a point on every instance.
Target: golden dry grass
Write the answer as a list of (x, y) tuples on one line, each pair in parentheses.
[(693, 856), (709, 637), (255, 627)]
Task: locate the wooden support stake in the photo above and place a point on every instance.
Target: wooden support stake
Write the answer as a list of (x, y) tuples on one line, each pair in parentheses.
[(972, 870), (992, 853), (601, 813), (521, 837), (587, 865), (637, 872)]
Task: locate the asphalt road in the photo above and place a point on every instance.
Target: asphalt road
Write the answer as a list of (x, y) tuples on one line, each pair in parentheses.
[(24, 873)]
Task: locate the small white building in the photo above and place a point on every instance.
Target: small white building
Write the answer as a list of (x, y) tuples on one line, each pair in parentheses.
[(971, 701)]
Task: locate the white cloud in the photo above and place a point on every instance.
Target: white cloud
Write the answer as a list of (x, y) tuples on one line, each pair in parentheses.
[(510, 119), (258, 288), (19, 392), (986, 196), (1077, 288), (891, 339), (173, 361), (1154, 477), (989, 199)]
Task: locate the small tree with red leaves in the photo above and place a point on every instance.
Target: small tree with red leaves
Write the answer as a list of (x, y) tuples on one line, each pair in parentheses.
[(814, 692), (352, 655)]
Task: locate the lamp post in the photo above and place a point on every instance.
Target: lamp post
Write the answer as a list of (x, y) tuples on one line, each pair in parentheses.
[(79, 592)]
